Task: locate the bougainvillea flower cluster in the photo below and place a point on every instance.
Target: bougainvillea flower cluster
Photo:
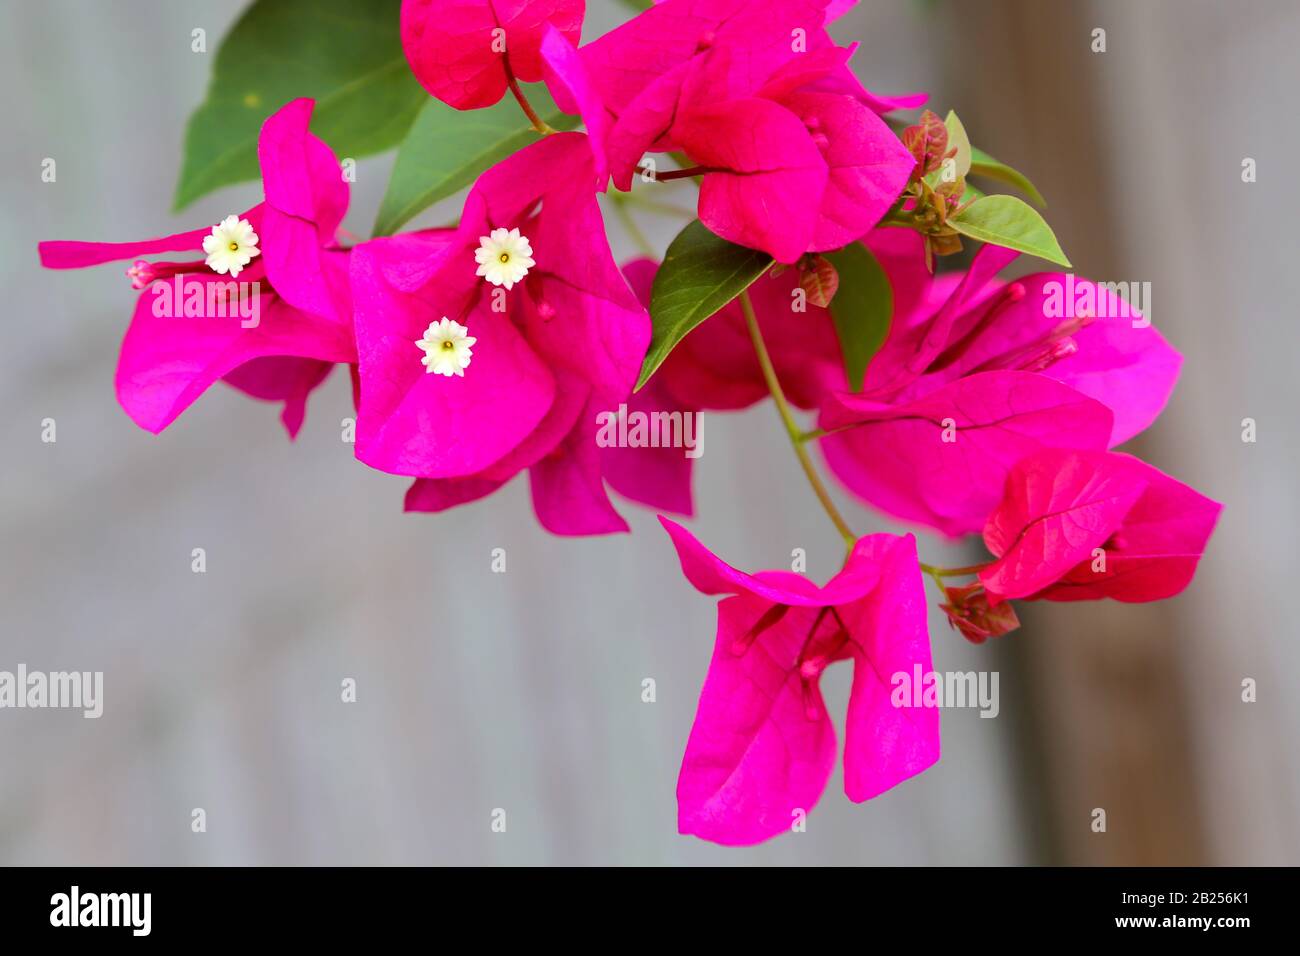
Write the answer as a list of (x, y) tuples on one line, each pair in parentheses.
[(511, 342)]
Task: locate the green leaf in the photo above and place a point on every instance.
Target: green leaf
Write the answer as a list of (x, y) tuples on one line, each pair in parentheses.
[(700, 274), (971, 194), (982, 164), (344, 53), (861, 309), (1011, 222), (957, 138), (446, 149)]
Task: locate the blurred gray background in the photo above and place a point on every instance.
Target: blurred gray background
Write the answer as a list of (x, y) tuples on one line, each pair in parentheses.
[(523, 690)]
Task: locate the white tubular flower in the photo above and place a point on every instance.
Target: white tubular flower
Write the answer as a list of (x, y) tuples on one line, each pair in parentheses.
[(446, 347), (231, 246), (504, 257)]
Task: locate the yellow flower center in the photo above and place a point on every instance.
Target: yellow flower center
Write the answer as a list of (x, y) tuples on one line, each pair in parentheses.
[(505, 257), (234, 247)]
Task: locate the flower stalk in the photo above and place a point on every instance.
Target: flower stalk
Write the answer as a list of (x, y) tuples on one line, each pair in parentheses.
[(538, 123), (791, 426)]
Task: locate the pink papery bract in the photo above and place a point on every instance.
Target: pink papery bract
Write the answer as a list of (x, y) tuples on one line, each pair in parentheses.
[(762, 745), (950, 332), (464, 52), (796, 158), (187, 331), (553, 355), (1083, 525)]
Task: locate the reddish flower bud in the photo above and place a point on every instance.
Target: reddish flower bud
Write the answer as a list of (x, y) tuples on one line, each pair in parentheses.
[(819, 280), (970, 613)]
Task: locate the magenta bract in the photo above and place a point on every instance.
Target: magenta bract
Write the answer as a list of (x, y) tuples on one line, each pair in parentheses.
[(763, 746), (1083, 525), (795, 158), (276, 331), (976, 374), (465, 52)]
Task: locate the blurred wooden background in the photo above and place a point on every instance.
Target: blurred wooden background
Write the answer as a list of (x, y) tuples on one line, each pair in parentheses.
[(1139, 151)]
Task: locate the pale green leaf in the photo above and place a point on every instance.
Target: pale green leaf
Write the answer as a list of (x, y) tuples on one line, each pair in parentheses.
[(446, 150), (1011, 222)]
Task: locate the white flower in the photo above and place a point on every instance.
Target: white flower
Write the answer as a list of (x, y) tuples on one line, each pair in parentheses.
[(231, 246), (504, 257), (446, 348)]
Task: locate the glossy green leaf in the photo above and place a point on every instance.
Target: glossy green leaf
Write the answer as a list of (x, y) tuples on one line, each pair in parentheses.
[(700, 274), (861, 309), (982, 164), (446, 150), (343, 53), (1011, 222)]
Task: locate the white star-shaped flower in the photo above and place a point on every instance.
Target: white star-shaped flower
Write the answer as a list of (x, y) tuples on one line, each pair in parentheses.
[(504, 257), (446, 348), (231, 246)]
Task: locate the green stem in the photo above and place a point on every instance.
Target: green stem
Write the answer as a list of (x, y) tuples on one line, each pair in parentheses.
[(538, 123), (906, 221), (815, 433), (791, 426), (935, 572)]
